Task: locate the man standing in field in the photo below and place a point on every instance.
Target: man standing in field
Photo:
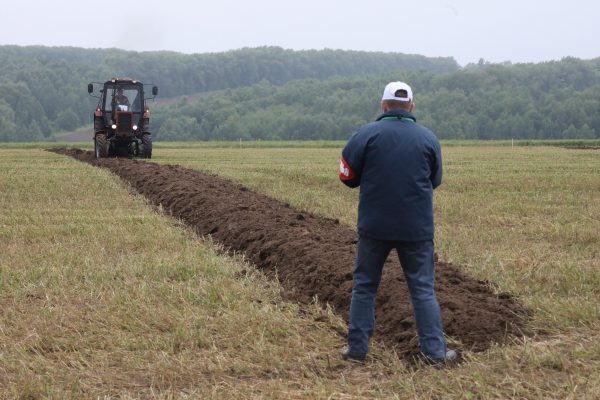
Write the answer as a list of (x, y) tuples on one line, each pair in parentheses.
[(397, 163)]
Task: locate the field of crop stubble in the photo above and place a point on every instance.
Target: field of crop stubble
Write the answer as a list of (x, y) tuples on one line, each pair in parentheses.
[(128, 302)]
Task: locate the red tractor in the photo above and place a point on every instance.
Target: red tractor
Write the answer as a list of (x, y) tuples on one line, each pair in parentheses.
[(122, 119)]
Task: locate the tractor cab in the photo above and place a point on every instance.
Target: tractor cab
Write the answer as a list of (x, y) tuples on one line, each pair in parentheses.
[(126, 97), (122, 103)]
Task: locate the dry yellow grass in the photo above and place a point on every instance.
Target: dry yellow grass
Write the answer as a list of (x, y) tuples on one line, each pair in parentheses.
[(128, 303)]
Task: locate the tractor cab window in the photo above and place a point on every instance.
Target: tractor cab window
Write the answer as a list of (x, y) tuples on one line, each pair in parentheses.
[(124, 98)]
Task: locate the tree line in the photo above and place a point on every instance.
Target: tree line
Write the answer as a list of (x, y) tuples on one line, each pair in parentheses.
[(272, 93), (43, 89), (551, 100)]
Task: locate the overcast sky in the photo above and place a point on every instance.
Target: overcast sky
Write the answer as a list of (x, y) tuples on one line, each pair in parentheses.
[(507, 30)]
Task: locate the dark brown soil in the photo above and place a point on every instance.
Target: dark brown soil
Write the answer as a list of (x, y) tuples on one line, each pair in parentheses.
[(313, 256)]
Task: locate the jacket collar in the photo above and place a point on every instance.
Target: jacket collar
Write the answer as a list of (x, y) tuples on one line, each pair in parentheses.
[(398, 114)]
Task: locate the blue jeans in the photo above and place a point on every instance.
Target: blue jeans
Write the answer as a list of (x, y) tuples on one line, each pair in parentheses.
[(417, 262)]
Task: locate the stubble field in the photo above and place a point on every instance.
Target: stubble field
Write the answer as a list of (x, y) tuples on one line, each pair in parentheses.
[(122, 300)]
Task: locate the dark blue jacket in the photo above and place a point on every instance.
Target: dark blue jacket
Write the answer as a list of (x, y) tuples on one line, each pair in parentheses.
[(397, 163)]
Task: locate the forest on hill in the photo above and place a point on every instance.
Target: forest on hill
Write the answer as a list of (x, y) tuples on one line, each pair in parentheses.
[(553, 100), (43, 89), (277, 94)]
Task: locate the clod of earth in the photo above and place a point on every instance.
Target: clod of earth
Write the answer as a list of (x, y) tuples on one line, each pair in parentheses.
[(313, 256)]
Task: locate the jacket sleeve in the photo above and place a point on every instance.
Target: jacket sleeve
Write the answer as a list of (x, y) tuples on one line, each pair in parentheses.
[(351, 161), (436, 165), (347, 175)]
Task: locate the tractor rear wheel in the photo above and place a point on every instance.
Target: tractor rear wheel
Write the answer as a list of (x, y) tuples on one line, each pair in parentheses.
[(147, 145), (101, 145)]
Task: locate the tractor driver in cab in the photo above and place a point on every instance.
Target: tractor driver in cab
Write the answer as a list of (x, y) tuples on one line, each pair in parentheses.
[(120, 99)]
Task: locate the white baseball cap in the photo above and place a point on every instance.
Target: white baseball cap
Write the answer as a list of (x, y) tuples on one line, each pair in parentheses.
[(391, 92)]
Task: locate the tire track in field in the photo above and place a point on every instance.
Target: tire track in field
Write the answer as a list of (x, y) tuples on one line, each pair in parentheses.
[(314, 256)]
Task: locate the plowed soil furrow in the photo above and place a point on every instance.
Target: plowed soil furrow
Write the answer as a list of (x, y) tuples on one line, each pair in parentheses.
[(313, 256)]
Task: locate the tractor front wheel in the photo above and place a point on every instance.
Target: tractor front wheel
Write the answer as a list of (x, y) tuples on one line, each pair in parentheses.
[(101, 145), (147, 145)]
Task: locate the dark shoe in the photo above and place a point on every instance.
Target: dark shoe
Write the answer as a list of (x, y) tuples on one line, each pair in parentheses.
[(351, 356), (450, 358)]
